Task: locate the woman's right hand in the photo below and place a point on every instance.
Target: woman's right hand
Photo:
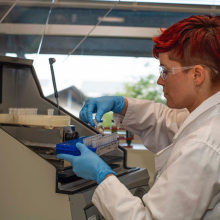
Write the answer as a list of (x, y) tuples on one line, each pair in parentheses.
[(100, 106)]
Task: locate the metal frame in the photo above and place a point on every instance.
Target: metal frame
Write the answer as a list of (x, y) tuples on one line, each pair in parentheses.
[(121, 5), (79, 30)]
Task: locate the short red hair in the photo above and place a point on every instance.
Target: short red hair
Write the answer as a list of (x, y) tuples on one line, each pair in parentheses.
[(191, 41)]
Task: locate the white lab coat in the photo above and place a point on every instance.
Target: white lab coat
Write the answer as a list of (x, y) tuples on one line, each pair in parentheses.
[(187, 171)]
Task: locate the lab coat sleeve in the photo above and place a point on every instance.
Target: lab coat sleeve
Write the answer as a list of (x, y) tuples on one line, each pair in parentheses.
[(155, 123), (115, 201), (183, 192)]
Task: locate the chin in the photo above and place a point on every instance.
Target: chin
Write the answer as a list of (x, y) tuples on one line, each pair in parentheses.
[(175, 106), (172, 105)]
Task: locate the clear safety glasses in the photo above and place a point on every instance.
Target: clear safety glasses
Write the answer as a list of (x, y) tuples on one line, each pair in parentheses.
[(165, 72)]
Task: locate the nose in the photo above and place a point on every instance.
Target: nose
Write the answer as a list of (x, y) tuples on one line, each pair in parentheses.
[(160, 81)]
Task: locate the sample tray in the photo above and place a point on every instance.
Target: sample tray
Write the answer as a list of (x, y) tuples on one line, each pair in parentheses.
[(47, 121)]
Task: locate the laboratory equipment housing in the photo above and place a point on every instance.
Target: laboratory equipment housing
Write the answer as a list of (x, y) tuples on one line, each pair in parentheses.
[(34, 183)]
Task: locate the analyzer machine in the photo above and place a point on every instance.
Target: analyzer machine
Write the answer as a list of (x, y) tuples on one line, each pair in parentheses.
[(35, 184)]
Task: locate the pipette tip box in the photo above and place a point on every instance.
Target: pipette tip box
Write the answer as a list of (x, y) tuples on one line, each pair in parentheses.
[(69, 147)]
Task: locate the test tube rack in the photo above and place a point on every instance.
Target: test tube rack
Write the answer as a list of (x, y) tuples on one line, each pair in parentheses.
[(100, 145), (47, 121)]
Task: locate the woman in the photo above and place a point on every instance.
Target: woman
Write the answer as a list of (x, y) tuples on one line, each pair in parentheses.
[(184, 135)]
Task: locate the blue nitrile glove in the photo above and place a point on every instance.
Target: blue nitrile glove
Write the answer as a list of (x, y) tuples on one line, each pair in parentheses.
[(88, 165), (100, 106)]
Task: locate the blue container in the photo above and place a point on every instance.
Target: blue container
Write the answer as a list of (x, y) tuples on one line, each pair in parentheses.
[(69, 147)]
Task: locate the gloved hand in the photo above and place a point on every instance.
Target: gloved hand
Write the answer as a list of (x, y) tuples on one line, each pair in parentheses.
[(100, 106), (88, 165)]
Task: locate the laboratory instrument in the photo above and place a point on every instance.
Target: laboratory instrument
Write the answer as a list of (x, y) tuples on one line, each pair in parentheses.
[(35, 184)]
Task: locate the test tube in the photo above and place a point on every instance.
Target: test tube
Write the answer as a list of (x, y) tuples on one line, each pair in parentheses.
[(35, 111), (11, 111), (50, 111), (88, 141), (97, 127)]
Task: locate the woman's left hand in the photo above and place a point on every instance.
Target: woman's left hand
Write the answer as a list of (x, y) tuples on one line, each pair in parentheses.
[(88, 165)]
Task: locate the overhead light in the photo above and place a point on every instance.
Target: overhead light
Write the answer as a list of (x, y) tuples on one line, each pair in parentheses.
[(11, 55), (111, 19)]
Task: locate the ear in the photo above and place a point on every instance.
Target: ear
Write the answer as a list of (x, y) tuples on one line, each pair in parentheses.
[(198, 74)]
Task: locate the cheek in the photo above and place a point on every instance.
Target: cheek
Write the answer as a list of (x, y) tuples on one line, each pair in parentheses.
[(181, 94), (177, 84), (176, 93), (173, 88)]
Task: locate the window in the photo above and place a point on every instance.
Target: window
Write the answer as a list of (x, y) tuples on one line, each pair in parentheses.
[(117, 51)]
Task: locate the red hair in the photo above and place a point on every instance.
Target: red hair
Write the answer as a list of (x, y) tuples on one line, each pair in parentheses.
[(191, 41)]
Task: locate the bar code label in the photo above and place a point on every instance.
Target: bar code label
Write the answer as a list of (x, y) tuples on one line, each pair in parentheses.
[(107, 148)]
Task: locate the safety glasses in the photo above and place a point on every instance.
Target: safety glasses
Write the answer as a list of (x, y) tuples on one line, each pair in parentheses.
[(165, 72)]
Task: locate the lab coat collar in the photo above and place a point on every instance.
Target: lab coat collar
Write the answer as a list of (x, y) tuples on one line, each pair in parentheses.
[(206, 105)]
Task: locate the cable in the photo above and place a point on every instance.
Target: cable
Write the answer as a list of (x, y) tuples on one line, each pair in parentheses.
[(42, 38), (8, 11), (71, 52)]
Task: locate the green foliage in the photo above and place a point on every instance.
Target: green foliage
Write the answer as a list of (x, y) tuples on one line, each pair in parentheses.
[(144, 88), (107, 119)]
